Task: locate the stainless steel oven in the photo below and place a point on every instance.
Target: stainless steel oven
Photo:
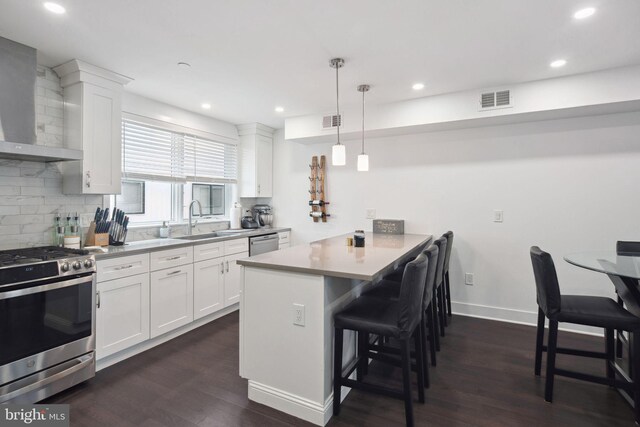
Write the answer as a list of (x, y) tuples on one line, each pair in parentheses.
[(47, 327)]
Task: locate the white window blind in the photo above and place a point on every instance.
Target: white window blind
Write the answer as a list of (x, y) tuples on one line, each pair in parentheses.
[(153, 153)]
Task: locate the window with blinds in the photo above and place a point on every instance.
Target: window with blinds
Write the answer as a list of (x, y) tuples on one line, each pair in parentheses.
[(152, 153)]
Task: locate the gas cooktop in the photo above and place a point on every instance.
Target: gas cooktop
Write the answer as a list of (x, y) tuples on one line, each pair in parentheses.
[(34, 255)]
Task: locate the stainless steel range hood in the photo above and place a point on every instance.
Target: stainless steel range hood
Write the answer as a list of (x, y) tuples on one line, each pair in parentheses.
[(17, 107)]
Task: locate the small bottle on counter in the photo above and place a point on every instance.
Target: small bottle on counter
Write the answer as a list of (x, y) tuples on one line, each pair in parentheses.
[(358, 239), (164, 230), (72, 238), (58, 232)]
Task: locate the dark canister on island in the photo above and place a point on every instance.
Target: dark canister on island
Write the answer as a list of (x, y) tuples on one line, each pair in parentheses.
[(358, 239)]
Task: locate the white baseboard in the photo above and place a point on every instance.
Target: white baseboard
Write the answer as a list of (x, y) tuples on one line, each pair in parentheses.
[(146, 345), (510, 315), (314, 412)]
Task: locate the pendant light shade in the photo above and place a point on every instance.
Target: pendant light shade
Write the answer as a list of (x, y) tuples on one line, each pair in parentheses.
[(338, 153), (363, 159), (363, 162)]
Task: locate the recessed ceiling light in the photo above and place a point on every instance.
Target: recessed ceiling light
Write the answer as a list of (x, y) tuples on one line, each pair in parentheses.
[(418, 86), (279, 110), (584, 13), (206, 106), (184, 65), (54, 8), (558, 63)]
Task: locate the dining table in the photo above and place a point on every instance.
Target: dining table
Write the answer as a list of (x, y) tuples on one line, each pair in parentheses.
[(623, 269)]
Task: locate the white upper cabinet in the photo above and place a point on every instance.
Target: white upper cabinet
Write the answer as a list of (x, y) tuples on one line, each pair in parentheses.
[(256, 160), (93, 124)]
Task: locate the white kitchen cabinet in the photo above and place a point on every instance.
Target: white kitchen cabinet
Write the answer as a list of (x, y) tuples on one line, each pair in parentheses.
[(122, 315), (208, 287), (170, 258), (171, 299), (92, 123), (256, 160), (116, 268), (232, 278)]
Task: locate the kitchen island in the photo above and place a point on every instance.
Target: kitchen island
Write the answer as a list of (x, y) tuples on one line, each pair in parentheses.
[(287, 302)]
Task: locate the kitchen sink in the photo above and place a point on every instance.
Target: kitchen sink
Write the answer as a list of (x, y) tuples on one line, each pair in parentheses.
[(219, 233), (199, 236)]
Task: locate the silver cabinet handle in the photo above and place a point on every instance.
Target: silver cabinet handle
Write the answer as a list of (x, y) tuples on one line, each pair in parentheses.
[(124, 267), (227, 266), (258, 188), (98, 299), (174, 272), (173, 257), (222, 268), (88, 179)]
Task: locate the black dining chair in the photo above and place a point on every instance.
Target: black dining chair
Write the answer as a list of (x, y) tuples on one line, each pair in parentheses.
[(600, 312), (390, 289), (445, 272), (401, 320)]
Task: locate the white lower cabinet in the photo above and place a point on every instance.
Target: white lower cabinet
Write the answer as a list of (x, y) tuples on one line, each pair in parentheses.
[(232, 278), (171, 299), (122, 317), (208, 287)]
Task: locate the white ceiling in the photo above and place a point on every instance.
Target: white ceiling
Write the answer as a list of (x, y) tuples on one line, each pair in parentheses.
[(248, 56)]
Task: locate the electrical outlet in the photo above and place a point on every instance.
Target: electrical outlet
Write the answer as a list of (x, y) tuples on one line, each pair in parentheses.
[(298, 314), (497, 216), (468, 279), (371, 214)]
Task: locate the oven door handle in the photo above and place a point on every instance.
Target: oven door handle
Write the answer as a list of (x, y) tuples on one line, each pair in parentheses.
[(80, 363), (44, 288)]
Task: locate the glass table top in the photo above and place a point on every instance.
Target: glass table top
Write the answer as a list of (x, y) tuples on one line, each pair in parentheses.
[(608, 262)]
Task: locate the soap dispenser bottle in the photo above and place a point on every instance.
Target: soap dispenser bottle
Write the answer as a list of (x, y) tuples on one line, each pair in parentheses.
[(164, 230)]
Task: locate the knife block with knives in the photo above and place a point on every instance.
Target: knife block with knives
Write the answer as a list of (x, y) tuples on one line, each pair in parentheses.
[(104, 231)]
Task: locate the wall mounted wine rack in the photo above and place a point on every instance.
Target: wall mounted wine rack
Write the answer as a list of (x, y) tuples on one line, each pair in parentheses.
[(318, 201)]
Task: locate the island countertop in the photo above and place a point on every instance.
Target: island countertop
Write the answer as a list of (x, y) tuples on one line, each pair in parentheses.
[(332, 257)]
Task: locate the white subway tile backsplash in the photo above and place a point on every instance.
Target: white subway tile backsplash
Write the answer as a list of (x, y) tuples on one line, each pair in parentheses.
[(31, 192)]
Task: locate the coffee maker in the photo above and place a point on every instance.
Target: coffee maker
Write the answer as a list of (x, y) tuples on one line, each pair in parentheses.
[(263, 215)]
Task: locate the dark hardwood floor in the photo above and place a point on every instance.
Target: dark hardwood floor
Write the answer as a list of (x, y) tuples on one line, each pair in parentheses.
[(484, 377)]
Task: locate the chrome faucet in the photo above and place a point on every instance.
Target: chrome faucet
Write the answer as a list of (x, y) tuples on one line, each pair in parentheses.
[(189, 230)]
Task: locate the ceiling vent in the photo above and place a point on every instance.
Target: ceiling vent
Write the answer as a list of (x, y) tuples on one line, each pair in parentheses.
[(494, 100), (333, 121)]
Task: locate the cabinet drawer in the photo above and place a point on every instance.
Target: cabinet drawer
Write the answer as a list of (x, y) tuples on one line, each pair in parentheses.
[(236, 246), (208, 251), (171, 258), (284, 237), (116, 268)]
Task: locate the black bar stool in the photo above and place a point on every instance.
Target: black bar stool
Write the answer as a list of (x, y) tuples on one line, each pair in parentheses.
[(445, 272), (399, 319), (390, 289), (438, 290), (594, 311)]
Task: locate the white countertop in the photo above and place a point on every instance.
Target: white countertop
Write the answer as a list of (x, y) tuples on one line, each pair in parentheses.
[(332, 257), (142, 246)]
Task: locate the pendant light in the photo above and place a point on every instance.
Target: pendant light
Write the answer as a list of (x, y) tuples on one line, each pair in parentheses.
[(363, 159), (338, 152)]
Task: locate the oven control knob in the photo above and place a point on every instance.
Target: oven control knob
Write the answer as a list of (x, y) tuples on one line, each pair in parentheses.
[(77, 265), (88, 263), (64, 267)]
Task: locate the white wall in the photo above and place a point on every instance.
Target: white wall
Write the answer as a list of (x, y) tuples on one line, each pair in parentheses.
[(566, 185)]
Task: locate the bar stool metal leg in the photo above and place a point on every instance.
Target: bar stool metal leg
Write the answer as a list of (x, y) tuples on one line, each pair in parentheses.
[(446, 280), (421, 361), (337, 370), (611, 355), (443, 318), (436, 319), (432, 333), (406, 380)]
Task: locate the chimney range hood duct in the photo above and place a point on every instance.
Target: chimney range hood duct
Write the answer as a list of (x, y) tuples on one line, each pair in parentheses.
[(17, 107)]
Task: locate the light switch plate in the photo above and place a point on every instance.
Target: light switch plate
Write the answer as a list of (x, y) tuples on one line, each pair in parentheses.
[(468, 279), (498, 216), (371, 214)]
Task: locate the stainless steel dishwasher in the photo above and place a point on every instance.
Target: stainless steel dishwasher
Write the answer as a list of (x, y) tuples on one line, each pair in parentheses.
[(261, 244)]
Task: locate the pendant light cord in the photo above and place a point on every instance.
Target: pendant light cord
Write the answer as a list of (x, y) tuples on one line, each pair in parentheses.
[(363, 122), (338, 103)]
